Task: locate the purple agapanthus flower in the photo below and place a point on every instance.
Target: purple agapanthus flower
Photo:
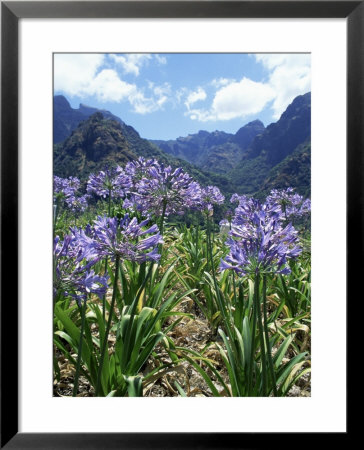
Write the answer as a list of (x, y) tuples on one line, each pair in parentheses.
[(77, 204), (59, 184), (240, 199), (248, 207), (258, 242), (112, 182), (66, 194), (125, 238), (64, 188), (291, 203), (305, 208), (73, 277), (210, 196), (133, 204), (139, 168), (166, 190)]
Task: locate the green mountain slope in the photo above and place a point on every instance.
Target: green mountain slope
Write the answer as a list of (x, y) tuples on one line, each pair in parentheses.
[(95, 142), (294, 170), (217, 151), (279, 148), (98, 141)]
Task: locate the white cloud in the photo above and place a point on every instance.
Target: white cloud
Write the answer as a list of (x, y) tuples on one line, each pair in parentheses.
[(241, 99), (142, 104), (92, 75), (271, 60), (195, 96), (180, 93), (290, 76), (163, 93), (131, 63), (161, 59), (219, 82), (236, 99), (108, 87), (159, 96), (74, 72)]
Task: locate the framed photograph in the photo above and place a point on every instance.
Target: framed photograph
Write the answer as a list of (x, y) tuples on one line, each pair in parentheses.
[(157, 177)]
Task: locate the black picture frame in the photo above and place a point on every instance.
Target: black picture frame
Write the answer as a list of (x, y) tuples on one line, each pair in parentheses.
[(11, 12)]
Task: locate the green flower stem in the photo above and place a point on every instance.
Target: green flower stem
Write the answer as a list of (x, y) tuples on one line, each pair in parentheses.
[(106, 260), (229, 327), (57, 213), (270, 360), (104, 296), (196, 237), (109, 203), (210, 263), (161, 228), (285, 211), (104, 344), (261, 337), (208, 243), (163, 216), (79, 351), (250, 372), (234, 289)]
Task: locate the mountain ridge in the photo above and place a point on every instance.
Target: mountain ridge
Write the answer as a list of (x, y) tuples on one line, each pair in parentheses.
[(281, 141), (251, 161), (212, 149), (66, 118)]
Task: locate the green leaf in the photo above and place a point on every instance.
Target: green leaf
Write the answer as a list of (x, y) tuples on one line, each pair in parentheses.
[(284, 371), (179, 388), (75, 334), (277, 358), (147, 351), (135, 386)]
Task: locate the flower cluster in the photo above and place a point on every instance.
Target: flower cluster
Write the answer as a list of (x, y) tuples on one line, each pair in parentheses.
[(78, 204), (210, 196), (139, 168), (66, 193), (291, 203), (73, 277), (165, 190), (65, 187), (241, 199), (125, 238), (258, 241), (112, 182), (248, 207), (146, 186)]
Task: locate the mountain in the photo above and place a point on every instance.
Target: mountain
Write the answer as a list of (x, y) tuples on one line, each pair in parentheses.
[(66, 119), (217, 151), (279, 154), (97, 141), (294, 170), (254, 160)]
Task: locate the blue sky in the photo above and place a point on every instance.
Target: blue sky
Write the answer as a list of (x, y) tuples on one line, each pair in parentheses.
[(164, 96)]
